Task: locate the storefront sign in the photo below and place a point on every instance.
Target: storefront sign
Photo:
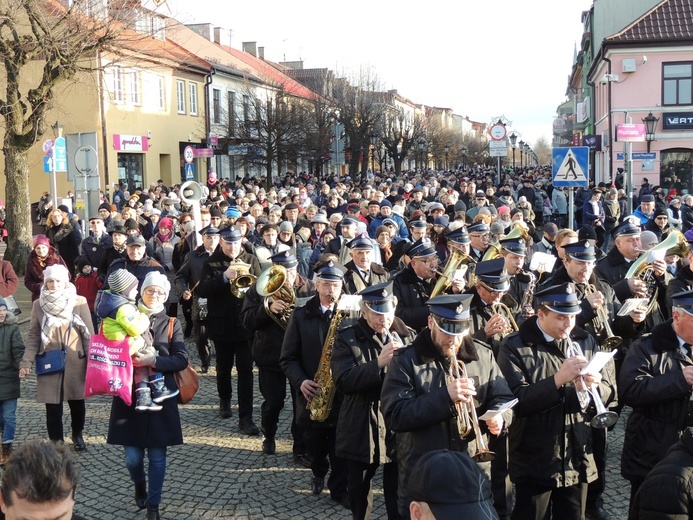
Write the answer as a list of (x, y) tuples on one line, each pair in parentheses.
[(631, 133), (203, 152), (593, 142), (130, 143), (678, 121)]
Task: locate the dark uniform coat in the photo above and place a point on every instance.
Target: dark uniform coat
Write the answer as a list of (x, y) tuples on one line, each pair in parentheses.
[(412, 294), (683, 281), (652, 382), (300, 357), (268, 336), (354, 282), (361, 431), (481, 313), (418, 408), (224, 309), (128, 427), (550, 440), (667, 493)]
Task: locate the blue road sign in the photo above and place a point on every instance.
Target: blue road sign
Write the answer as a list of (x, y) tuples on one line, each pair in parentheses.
[(571, 166), (60, 154), (644, 155), (47, 164), (189, 171)]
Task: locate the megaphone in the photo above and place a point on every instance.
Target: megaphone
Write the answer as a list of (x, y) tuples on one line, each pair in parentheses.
[(193, 192)]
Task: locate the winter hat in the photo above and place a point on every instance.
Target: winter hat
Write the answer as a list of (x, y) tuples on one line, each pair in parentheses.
[(122, 282), (285, 227), (166, 222), (647, 238), (156, 279), (3, 303), (56, 272), (41, 240)]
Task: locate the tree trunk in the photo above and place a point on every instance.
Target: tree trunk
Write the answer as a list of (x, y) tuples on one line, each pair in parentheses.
[(398, 164), (18, 207)]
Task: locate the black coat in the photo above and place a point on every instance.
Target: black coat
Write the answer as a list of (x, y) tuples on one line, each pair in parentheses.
[(11, 354), (300, 357), (267, 335), (361, 431), (66, 238), (412, 294), (92, 250), (667, 493), (683, 281), (418, 408), (480, 314), (109, 256), (224, 309), (140, 268), (652, 382), (128, 427), (550, 440), (190, 272), (686, 217), (352, 286)]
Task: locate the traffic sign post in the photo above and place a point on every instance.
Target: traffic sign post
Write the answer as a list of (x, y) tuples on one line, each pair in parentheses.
[(189, 172), (571, 169)]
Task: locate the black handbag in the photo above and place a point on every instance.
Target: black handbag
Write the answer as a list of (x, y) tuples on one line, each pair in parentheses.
[(52, 361)]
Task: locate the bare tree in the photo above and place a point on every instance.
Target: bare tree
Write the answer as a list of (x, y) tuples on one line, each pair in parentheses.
[(400, 133), (43, 44), (361, 105), (543, 150)]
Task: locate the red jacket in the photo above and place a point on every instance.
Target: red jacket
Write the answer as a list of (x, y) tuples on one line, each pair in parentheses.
[(88, 286)]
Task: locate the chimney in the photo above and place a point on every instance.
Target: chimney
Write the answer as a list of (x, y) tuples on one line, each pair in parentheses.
[(222, 36), (250, 48), (203, 29), (261, 53)]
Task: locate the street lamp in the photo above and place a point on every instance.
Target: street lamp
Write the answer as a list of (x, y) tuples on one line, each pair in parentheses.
[(522, 149), (464, 157), (527, 151), (447, 150), (422, 146), (513, 142), (374, 139), (650, 127)]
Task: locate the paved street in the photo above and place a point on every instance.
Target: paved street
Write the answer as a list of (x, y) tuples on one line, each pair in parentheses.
[(218, 473)]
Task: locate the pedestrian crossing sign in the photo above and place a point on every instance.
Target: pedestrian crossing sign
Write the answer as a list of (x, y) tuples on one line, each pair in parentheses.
[(571, 166)]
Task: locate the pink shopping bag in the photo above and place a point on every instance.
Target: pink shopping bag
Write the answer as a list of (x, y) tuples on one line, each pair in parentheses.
[(109, 369)]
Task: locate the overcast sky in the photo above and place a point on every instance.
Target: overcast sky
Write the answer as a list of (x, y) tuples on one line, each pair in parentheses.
[(482, 59)]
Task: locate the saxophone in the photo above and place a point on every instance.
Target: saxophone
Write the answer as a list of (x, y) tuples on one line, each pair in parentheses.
[(321, 405), (526, 306)]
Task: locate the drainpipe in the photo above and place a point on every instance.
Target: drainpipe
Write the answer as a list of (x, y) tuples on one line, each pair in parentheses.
[(208, 121), (104, 129), (611, 129)]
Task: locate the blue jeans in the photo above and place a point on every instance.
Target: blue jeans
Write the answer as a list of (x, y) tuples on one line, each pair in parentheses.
[(8, 418), (134, 460)]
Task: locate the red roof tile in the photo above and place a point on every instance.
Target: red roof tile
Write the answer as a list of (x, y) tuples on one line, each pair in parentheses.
[(668, 20)]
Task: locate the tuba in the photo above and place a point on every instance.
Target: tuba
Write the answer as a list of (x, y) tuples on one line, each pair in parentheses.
[(456, 259), (272, 283), (243, 281), (674, 244), (494, 250)]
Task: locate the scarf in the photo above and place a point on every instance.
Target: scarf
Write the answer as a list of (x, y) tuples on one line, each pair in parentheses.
[(147, 311), (164, 238), (58, 312), (386, 252)]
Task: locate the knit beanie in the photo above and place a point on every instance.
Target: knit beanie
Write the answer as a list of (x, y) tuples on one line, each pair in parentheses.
[(157, 279), (56, 272), (41, 240), (3, 303), (122, 282)]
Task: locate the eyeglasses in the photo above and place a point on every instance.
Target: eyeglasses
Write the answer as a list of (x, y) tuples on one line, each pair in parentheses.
[(431, 262), (151, 291), (661, 218)]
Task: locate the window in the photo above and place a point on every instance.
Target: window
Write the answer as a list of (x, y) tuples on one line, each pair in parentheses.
[(161, 92), (216, 105), (193, 98), (134, 88), (180, 93), (677, 88), (232, 113), (157, 27), (118, 93)]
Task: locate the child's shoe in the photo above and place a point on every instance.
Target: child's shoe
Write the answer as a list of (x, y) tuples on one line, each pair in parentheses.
[(159, 391), (144, 401)]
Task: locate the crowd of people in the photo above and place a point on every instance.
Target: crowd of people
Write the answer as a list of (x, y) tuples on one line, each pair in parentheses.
[(424, 320)]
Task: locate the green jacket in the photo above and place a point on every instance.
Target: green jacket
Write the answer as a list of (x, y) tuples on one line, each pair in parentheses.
[(11, 353)]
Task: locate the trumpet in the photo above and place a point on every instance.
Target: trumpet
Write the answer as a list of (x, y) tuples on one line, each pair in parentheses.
[(601, 323), (243, 281), (603, 418), (467, 419), (509, 325)]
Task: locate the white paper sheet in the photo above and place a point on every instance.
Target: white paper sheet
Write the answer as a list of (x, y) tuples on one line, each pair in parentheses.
[(492, 414), (598, 361), (632, 304)]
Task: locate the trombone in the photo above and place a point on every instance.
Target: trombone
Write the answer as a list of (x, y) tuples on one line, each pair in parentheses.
[(604, 418), (467, 419), (601, 322)]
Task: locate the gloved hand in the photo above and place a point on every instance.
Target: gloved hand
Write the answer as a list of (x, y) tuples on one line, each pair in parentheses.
[(144, 358)]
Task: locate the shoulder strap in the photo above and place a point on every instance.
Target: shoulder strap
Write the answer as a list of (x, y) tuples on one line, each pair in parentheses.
[(171, 321)]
